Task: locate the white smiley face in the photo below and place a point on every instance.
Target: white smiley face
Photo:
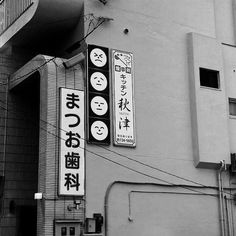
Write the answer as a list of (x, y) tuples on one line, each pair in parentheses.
[(99, 81), (99, 105), (98, 57), (99, 130)]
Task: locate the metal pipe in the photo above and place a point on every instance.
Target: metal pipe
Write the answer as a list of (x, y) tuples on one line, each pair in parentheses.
[(130, 217), (222, 218), (227, 216), (110, 186)]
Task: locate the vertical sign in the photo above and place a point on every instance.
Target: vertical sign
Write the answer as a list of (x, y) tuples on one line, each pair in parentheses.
[(98, 105), (123, 102), (71, 162)]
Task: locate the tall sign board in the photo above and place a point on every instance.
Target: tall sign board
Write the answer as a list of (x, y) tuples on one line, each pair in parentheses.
[(123, 98), (98, 95), (71, 158)]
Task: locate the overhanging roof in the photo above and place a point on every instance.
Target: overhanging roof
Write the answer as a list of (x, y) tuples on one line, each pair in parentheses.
[(43, 21)]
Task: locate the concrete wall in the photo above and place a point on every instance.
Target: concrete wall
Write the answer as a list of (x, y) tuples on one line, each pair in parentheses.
[(167, 194), (229, 65), (52, 76), (160, 210), (158, 39), (18, 150), (209, 106)]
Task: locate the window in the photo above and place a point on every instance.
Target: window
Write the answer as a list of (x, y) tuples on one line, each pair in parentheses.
[(63, 231), (232, 106), (209, 78)]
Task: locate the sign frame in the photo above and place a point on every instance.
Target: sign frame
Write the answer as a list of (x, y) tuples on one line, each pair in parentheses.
[(80, 150), (92, 92), (116, 142)]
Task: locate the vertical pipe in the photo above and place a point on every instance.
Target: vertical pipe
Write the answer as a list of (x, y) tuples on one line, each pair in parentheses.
[(227, 216), (223, 203), (221, 198), (231, 215), (221, 207)]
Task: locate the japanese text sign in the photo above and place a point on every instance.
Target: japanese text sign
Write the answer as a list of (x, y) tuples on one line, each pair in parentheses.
[(71, 161), (123, 101), (98, 95)]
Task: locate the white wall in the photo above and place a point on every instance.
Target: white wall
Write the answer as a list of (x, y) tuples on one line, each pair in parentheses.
[(158, 39), (209, 106), (229, 65)]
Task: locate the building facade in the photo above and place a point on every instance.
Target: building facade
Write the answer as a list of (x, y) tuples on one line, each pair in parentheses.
[(167, 164)]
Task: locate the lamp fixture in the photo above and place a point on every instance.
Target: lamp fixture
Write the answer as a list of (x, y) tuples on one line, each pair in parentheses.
[(105, 18), (38, 196), (74, 60), (76, 205)]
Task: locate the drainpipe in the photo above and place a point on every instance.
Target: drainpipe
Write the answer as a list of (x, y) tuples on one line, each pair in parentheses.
[(221, 198), (227, 215)]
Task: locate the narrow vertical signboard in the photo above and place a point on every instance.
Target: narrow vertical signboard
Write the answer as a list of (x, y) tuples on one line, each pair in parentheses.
[(123, 99), (98, 95), (71, 159)]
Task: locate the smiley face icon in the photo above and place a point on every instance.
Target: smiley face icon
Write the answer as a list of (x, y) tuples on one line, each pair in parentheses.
[(98, 57), (99, 105), (98, 81), (99, 130)]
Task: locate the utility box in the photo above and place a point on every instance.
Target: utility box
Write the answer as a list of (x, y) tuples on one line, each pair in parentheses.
[(67, 227), (90, 225)]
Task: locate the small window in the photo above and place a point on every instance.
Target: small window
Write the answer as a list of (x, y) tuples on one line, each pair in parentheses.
[(232, 106), (63, 231), (72, 231), (209, 78)]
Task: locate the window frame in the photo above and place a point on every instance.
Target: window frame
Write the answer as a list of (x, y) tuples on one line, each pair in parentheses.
[(232, 101), (217, 78)]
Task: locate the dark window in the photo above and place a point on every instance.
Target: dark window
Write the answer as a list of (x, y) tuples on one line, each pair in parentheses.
[(63, 231), (209, 78), (72, 231), (232, 106)]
